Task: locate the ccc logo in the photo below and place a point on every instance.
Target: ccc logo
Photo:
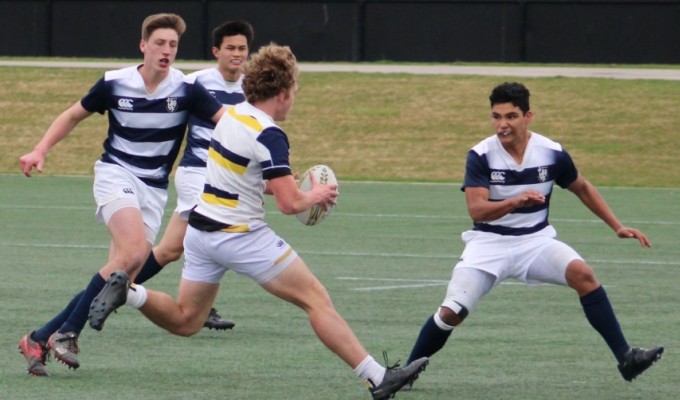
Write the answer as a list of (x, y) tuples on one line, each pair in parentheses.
[(125, 104), (497, 176)]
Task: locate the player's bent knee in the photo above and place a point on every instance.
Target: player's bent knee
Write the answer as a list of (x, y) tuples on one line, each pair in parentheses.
[(165, 256), (176, 254), (131, 260), (453, 317), (581, 276)]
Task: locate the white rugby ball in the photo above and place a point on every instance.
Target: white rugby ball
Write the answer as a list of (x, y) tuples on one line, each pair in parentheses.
[(322, 174)]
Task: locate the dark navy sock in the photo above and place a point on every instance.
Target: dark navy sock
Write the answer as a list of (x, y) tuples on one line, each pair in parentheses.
[(43, 333), (76, 321), (150, 268), (600, 314), (430, 340)]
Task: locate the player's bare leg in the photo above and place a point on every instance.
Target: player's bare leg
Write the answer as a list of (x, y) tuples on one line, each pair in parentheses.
[(128, 249), (184, 317), (129, 246), (171, 245), (170, 249), (297, 285)]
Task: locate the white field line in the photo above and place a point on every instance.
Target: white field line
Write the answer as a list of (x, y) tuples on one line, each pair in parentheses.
[(356, 215), (338, 254), (407, 283), (389, 183), (42, 207)]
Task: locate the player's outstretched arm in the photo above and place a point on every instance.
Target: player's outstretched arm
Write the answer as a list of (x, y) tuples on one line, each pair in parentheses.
[(592, 199), (59, 129)]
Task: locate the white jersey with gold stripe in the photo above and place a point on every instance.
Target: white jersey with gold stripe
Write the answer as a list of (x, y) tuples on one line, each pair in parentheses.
[(247, 148)]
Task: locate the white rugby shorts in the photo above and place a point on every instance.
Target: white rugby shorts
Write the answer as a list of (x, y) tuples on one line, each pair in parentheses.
[(116, 188), (189, 182), (260, 254), (534, 258)]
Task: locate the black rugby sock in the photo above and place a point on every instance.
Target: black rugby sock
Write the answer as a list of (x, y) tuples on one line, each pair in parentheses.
[(44, 333), (430, 340), (76, 321), (600, 314), (150, 268)]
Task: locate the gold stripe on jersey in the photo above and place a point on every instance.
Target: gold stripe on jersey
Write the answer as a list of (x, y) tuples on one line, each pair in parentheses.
[(220, 201), (245, 119), (226, 163)]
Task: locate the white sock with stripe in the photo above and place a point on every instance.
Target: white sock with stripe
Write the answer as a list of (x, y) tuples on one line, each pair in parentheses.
[(136, 296), (370, 371)]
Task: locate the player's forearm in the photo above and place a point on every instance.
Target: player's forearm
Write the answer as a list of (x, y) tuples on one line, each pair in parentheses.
[(299, 202), (490, 210), (59, 129), (592, 199)]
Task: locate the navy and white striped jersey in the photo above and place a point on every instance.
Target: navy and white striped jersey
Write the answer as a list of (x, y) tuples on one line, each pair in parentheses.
[(146, 129), (247, 148), (545, 163), (200, 130)]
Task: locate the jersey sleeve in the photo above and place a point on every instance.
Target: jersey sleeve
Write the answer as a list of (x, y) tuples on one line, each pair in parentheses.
[(567, 172), (95, 99), (276, 164), (204, 105), (476, 171)]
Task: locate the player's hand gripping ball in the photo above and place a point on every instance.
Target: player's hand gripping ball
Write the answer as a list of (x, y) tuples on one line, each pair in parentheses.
[(322, 174)]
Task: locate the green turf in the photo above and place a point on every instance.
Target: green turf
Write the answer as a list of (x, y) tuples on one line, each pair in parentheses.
[(385, 255)]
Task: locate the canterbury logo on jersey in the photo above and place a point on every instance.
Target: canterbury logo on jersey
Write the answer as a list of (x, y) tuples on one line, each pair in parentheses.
[(125, 104), (497, 176)]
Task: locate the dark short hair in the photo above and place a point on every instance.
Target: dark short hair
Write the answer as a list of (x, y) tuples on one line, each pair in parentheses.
[(511, 92), (233, 28)]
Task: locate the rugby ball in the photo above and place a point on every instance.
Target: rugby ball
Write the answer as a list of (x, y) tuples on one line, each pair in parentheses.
[(322, 174)]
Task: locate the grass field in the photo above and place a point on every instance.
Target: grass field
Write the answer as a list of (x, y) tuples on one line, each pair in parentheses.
[(385, 255)]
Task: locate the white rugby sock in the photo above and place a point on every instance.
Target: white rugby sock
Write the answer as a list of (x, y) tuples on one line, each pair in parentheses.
[(441, 324), (370, 371), (136, 296)]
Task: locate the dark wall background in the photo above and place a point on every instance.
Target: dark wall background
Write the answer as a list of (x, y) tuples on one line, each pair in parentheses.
[(560, 31)]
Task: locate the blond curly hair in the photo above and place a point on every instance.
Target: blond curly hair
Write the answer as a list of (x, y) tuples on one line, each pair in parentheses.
[(270, 71)]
